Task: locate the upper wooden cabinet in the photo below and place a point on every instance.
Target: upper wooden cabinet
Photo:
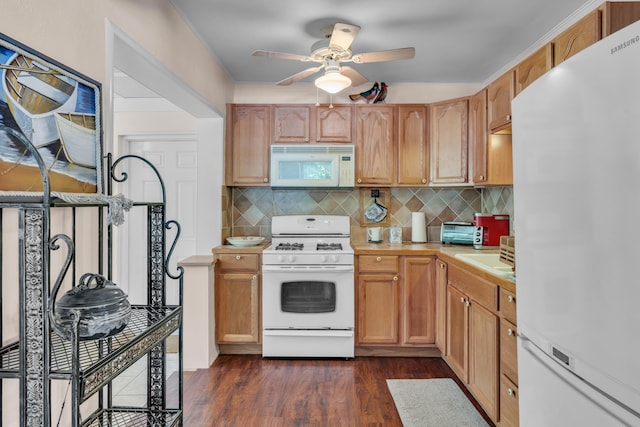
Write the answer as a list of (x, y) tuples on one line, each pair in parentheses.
[(448, 131), (247, 141), (293, 123), (580, 35), (533, 67), (478, 136), (500, 92), (375, 154), (333, 123), (617, 15), (412, 167), (604, 21)]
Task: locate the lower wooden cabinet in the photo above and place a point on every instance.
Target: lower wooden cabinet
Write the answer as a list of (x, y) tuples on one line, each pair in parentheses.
[(441, 305), (237, 298), (509, 412), (396, 300), (508, 360), (472, 338)]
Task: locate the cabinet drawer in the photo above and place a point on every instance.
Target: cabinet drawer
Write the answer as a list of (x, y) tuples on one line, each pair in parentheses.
[(377, 264), (238, 262), (508, 305), (509, 350), (483, 291), (509, 413)]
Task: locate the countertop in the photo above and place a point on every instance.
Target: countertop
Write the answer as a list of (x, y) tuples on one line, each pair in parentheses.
[(445, 252)]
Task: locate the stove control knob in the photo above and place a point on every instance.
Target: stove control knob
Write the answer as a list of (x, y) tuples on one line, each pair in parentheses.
[(291, 258), (334, 258), (281, 258), (323, 258)]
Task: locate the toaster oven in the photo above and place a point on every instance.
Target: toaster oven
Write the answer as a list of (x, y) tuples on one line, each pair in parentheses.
[(457, 232)]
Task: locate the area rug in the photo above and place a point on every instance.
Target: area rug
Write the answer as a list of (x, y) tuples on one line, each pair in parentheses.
[(433, 403)]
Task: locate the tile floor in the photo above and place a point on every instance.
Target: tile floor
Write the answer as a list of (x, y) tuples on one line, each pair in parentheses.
[(130, 387)]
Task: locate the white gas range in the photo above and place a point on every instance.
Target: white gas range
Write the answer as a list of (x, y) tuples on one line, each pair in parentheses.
[(308, 288)]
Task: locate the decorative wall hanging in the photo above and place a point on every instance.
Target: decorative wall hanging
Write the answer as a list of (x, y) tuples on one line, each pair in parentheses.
[(57, 111)]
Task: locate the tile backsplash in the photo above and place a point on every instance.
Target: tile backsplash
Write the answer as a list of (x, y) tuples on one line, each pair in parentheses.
[(247, 211)]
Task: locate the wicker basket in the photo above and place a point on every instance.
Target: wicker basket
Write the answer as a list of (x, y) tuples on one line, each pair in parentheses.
[(508, 251)]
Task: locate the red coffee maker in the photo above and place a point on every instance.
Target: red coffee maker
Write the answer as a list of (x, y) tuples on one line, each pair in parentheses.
[(488, 229)]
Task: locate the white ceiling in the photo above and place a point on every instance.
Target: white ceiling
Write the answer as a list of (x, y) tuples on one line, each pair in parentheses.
[(456, 41)]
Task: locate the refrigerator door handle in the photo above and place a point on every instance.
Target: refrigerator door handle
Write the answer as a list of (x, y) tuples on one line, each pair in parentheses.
[(622, 414)]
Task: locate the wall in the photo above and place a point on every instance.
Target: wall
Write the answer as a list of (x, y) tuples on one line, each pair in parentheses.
[(249, 209)]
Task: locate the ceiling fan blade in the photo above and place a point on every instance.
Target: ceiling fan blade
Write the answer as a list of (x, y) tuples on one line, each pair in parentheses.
[(299, 76), (342, 36), (356, 78), (385, 55), (281, 55)]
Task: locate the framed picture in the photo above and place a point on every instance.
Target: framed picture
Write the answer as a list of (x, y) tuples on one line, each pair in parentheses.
[(57, 111)]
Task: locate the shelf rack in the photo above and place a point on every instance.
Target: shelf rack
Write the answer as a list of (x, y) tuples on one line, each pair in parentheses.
[(40, 356)]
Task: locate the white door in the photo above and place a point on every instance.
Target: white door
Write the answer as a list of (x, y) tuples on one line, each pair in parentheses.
[(175, 159)]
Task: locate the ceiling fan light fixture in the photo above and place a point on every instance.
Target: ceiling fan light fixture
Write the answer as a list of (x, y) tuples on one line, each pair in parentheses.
[(333, 82)]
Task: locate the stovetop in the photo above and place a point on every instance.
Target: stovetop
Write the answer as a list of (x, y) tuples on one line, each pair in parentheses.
[(309, 240)]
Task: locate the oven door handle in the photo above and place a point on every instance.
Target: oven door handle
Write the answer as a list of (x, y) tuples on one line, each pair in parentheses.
[(308, 269)]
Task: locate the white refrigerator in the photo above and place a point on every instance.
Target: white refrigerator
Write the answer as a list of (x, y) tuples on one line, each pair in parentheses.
[(576, 160)]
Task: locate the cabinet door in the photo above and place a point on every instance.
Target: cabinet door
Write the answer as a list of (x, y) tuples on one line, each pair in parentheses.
[(374, 145), (533, 67), (509, 350), (411, 151), (247, 145), (478, 136), (509, 411), (457, 319), (483, 357), (499, 96), (292, 123), (441, 305), (577, 37), (449, 142), (333, 124), (617, 15), (378, 309), (237, 305), (418, 300)]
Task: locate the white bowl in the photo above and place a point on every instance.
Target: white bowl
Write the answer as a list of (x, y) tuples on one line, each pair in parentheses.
[(245, 240)]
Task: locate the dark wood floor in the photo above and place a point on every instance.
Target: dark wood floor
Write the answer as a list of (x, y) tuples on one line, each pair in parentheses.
[(252, 391)]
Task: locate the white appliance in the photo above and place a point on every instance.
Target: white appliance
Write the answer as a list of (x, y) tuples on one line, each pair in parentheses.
[(576, 160), (308, 288), (312, 165)]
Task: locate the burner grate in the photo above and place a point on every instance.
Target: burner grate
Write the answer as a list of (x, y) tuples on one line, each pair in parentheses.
[(289, 247), (329, 247)]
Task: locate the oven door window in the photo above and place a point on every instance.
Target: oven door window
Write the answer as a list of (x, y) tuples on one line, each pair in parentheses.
[(308, 297)]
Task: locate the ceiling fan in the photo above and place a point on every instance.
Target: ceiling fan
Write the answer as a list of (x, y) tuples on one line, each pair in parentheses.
[(330, 52)]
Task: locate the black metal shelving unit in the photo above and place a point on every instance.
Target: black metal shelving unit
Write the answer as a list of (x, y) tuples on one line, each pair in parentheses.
[(39, 356)]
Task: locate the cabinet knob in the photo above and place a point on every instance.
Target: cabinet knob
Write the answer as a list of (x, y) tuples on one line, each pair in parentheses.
[(508, 116), (442, 265), (462, 300), (359, 180), (424, 180), (265, 179), (254, 277), (482, 177), (511, 392), (378, 259), (467, 303), (238, 257), (510, 298), (395, 278), (510, 332)]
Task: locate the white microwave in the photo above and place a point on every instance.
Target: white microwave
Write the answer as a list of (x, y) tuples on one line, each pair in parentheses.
[(312, 165)]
